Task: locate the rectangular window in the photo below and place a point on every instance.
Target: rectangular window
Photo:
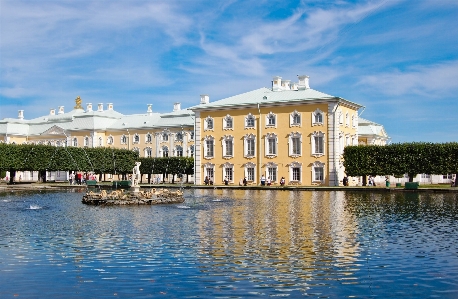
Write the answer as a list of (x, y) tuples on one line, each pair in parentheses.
[(271, 120), (229, 123), (296, 174), (250, 147), (250, 122), (250, 174), (228, 147), (209, 152), (210, 173), (447, 176), (319, 145), (319, 174), (228, 173), (272, 149), (272, 173), (296, 144)]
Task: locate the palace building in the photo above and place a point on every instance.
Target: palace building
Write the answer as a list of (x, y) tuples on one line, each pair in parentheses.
[(288, 130)]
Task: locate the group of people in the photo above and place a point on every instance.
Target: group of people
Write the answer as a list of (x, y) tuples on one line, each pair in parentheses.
[(80, 178), (208, 181)]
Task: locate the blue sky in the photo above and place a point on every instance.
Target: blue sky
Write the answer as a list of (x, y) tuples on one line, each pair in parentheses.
[(397, 58)]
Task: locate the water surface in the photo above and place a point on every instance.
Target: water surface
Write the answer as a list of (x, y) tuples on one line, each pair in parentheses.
[(231, 244)]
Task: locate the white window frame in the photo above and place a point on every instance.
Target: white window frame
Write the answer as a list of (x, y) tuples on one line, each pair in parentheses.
[(272, 171), (165, 136), (209, 170), (228, 122), (75, 142), (347, 140), (252, 166), (148, 152), (136, 139), (293, 136), (313, 137), (85, 141), (165, 151), (271, 120), (209, 124), (354, 120), (228, 152), (347, 120), (292, 116), (318, 165), (110, 140), (179, 137), (250, 117), (228, 171), (248, 138), (268, 138), (292, 166), (340, 117), (191, 151), (100, 141), (209, 140), (136, 149), (149, 138), (178, 149), (123, 139), (315, 118)]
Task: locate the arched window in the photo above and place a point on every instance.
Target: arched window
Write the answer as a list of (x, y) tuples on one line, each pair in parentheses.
[(100, 141), (271, 120), (136, 138), (165, 137), (249, 121), (86, 141), (228, 122), (317, 118), (179, 136), (75, 142), (149, 138), (123, 139), (295, 119), (208, 123), (110, 140)]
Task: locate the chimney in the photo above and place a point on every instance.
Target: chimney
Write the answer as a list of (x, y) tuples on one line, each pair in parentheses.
[(88, 107), (20, 114), (150, 109), (276, 83), (204, 99), (286, 85), (110, 106), (176, 106), (52, 111), (303, 82), (61, 110), (100, 107)]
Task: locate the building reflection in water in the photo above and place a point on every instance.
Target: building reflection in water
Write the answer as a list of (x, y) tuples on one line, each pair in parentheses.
[(287, 235)]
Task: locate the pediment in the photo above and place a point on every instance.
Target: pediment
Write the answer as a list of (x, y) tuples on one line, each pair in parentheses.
[(54, 130)]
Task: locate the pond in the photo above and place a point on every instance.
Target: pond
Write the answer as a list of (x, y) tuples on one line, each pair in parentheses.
[(231, 244)]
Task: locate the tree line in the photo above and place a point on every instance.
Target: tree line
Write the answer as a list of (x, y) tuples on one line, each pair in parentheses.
[(401, 158), (100, 160)]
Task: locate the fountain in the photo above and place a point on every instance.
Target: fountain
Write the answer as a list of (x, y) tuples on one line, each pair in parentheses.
[(134, 196)]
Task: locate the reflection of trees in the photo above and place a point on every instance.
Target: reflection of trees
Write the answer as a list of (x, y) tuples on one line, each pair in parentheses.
[(287, 237)]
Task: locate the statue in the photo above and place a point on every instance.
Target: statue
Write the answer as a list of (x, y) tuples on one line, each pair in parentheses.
[(78, 102), (136, 174)]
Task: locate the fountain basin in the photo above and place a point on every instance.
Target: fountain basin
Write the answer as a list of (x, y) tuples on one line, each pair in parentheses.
[(122, 197)]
